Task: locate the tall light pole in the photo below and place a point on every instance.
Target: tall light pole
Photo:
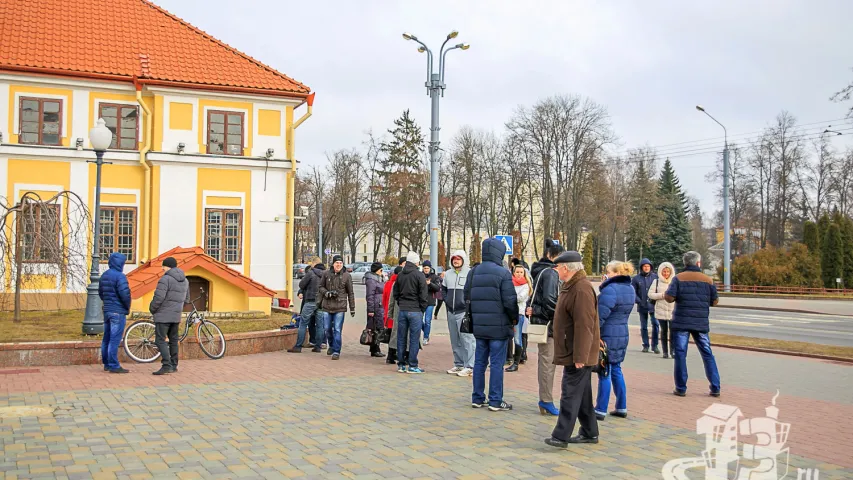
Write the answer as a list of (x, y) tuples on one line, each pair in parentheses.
[(93, 322), (727, 227), (435, 88)]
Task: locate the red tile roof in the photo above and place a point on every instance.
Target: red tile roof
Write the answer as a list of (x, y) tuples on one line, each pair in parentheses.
[(109, 39), (144, 279)]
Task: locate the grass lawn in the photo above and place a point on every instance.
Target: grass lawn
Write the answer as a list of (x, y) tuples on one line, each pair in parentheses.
[(784, 345), (66, 325)]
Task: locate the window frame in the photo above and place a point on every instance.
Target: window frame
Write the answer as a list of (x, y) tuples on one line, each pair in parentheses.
[(119, 106), (116, 208), (37, 233), (41, 122), (222, 237), (225, 131)]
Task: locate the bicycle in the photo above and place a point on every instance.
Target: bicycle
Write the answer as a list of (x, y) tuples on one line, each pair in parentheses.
[(139, 342)]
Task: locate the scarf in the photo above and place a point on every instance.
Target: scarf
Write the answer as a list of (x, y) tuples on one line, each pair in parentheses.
[(519, 281)]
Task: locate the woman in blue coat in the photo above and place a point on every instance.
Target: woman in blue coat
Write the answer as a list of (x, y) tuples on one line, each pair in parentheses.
[(615, 303)]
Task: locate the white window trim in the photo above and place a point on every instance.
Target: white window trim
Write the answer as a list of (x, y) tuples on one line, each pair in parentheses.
[(204, 206), (126, 191), (246, 118), (16, 119), (26, 187), (139, 113)]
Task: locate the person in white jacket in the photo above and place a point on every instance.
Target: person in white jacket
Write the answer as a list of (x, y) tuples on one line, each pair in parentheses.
[(523, 289), (663, 309)]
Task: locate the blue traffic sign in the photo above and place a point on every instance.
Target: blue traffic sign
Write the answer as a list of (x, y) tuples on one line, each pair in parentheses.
[(507, 241)]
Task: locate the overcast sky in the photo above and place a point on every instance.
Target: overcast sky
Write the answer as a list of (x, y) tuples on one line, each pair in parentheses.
[(648, 62)]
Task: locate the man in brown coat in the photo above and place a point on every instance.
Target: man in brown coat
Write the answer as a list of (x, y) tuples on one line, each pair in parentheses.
[(576, 342)]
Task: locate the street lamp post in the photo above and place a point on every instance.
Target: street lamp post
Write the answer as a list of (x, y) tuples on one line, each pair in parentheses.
[(435, 87), (727, 239), (93, 323)]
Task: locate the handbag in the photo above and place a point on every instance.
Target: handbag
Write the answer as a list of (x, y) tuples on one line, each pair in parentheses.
[(385, 335), (603, 365), (656, 291), (366, 337), (537, 333), (467, 325)]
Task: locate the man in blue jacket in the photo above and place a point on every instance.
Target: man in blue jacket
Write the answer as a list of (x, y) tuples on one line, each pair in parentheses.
[(641, 283), (494, 311), (115, 295), (693, 293)]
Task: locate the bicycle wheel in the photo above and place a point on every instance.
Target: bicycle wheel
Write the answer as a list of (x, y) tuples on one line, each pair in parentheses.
[(139, 342), (210, 339)]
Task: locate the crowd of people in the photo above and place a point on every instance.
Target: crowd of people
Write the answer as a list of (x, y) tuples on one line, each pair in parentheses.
[(494, 309)]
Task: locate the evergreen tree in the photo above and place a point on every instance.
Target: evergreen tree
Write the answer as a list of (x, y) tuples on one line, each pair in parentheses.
[(832, 255), (588, 253), (823, 227), (847, 242), (811, 238), (674, 236), (645, 214)]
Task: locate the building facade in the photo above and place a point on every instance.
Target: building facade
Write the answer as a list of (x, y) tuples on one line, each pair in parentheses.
[(203, 137)]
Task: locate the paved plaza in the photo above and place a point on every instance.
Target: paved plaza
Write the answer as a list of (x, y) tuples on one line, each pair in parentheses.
[(282, 415)]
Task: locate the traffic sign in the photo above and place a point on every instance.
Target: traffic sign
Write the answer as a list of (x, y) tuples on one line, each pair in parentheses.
[(507, 241), (556, 242), (328, 251)]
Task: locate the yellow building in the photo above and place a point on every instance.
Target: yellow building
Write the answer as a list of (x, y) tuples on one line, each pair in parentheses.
[(203, 145)]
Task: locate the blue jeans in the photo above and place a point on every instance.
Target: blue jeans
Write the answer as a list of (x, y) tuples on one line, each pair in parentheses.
[(409, 326), (644, 329), (308, 311), (679, 352), (618, 381), (428, 321), (489, 352), (335, 322), (519, 330), (113, 331), (320, 327)]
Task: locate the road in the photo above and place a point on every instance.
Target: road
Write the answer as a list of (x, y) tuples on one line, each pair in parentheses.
[(813, 328)]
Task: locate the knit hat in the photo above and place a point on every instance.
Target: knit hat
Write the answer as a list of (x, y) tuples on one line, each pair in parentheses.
[(337, 258), (413, 257), (375, 267), (427, 263), (397, 270), (170, 262)]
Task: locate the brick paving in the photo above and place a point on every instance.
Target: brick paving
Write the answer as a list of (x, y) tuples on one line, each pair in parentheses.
[(281, 415)]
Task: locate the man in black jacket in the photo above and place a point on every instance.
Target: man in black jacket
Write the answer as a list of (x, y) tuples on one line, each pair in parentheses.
[(410, 292), (308, 288), (541, 312)]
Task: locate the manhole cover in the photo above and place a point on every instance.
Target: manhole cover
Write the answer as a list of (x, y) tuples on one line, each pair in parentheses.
[(28, 411)]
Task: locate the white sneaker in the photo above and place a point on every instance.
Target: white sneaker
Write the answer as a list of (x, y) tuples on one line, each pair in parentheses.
[(454, 370), (465, 372)]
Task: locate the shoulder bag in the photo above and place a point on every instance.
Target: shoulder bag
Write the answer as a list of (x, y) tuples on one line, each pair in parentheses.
[(656, 291), (537, 333), (467, 325)]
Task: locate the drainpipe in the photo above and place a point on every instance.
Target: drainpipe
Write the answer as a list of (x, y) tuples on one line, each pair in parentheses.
[(144, 254), (291, 199)]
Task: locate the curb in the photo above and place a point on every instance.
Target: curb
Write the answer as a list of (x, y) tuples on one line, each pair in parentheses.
[(785, 352), (775, 309)]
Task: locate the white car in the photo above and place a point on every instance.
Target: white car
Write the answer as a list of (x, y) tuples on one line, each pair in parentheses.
[(358, 274)]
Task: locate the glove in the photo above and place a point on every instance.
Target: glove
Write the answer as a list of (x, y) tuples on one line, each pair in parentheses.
[(352, 314), (328, 294)]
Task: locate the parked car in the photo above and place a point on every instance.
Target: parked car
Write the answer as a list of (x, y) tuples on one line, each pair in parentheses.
[(299, 270), (352, 266), (358, 274)]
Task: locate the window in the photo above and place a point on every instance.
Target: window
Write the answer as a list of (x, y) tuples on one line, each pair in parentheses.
[(224, 234), (224, 132), (123, 121), (39, 224), (118, 233), (41, 121)]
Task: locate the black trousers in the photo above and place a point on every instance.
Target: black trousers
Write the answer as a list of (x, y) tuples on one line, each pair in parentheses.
[(576, 404), (520, 353), (168, 351), (665, 341)]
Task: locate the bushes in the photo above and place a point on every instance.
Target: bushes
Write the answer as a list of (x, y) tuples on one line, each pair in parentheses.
[(792, 267)]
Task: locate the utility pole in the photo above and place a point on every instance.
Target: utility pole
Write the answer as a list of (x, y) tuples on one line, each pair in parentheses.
[(435, 88), (727, 226)]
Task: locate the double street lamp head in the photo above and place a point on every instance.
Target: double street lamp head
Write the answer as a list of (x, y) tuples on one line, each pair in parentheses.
[(100, 136), (700, 108)]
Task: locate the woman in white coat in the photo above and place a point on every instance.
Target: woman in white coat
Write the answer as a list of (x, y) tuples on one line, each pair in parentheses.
[(523, 289), (663, 309)]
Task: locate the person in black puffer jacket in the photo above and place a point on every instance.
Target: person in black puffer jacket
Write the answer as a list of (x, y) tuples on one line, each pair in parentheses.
[(173, 291), (494, 311), (115, 295), (309, 311), (374, 285), (546, 289), (410, 293)]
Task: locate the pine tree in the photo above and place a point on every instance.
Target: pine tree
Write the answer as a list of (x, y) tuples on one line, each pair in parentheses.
[(847, 242), (832, 256), (674, 236), (645, 215), (811, 238), (588, 253)]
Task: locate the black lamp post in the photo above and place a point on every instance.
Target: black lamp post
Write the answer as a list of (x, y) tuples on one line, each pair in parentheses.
[(93, 323)]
